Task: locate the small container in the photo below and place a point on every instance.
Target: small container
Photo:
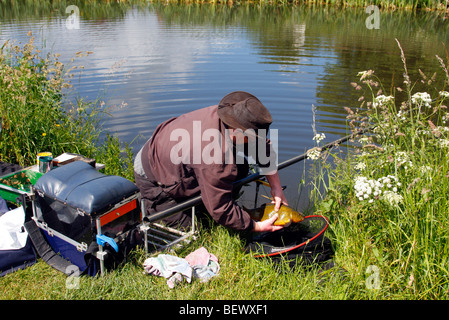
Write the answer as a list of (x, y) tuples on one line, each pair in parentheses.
[(45, 164), (43, 154)]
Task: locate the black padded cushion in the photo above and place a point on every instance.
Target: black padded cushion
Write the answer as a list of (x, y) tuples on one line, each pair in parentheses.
[(81, 186)]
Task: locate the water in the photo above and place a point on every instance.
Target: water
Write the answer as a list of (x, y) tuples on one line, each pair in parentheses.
[(153, 62)]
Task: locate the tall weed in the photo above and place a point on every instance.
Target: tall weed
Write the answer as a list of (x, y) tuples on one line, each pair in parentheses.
[(387, 200)]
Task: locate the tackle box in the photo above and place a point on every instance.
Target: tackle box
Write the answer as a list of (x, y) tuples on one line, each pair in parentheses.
[(18, 183), (76, 207)]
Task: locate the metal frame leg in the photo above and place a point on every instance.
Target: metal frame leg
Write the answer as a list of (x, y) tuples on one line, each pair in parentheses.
[(162, 237)]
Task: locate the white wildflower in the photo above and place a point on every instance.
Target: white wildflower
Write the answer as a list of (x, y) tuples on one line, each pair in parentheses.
[(401, 115), (403, 159), (444, 94), (313, 154), (370, 189), (425, 169), (422, 98), (381, 100), (319, 137), (444, 118), (363, 139), (360, 166), (392, 198), (444, 143)]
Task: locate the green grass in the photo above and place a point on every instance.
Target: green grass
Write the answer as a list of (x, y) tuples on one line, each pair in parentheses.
[(241, 277), (392, 245)]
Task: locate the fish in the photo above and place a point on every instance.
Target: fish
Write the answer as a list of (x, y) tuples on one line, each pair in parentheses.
[(286, 214)]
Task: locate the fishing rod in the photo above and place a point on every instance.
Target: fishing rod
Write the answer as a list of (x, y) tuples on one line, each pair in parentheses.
[(250, 178)]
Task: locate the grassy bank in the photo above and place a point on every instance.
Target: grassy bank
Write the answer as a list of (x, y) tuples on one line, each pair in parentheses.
[(386, 199)]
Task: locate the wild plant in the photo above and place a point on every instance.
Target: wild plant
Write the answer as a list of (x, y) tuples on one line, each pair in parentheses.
[(387, 201), (38, 112)]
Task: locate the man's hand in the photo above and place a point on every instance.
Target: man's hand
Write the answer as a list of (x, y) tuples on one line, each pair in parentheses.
[(267, 225), (278, 198), (277, 193)]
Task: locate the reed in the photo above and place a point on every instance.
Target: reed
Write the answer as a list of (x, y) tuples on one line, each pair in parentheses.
[(428, 5), (101, 9), (37, 115)]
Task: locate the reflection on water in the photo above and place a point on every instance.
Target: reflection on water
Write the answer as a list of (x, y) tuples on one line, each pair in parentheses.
[(158, 61)]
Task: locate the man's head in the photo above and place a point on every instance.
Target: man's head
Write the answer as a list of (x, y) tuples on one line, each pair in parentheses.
[(242, 110)]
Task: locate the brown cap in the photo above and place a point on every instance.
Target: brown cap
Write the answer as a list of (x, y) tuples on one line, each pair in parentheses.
[(242, 110)]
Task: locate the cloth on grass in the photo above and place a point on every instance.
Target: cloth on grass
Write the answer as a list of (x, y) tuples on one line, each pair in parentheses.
[(204, 264), (165, 265), (199, 264)]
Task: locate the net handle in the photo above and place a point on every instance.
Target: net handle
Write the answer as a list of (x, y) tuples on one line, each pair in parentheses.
[(301, 244)]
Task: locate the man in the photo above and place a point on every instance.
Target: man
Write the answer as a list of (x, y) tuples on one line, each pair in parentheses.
[(197, 153)]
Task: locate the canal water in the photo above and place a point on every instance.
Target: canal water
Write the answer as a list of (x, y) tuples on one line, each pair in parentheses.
[(151, 62)]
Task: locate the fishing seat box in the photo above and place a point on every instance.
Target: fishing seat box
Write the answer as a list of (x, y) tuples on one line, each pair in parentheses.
[(75, 206)]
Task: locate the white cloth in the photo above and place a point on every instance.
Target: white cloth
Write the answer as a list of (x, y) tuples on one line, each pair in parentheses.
[(199, 264), (165, 265), (13, 234)]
